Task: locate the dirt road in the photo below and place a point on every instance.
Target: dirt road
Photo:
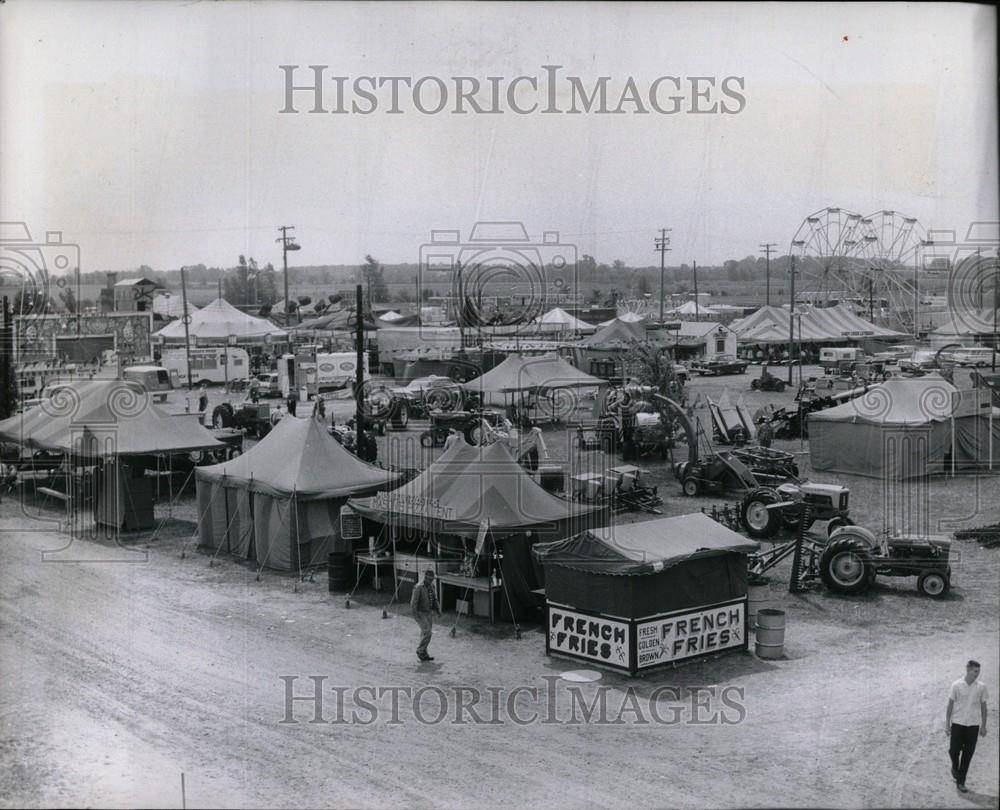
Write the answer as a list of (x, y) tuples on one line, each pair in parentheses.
[(120, 676)]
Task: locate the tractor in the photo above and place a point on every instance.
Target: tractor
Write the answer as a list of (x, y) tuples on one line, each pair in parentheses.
[(764, 511), (854, 557), (767, 382)]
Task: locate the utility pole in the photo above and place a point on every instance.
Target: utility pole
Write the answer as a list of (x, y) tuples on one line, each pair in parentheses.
[(695, 266), (359, 371), (287, 243), (662, 246), (767, 248), (791, 322), (916, 294), (187, 336), (871, 298)]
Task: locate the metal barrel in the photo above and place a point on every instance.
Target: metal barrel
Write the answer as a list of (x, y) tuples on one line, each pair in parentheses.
[(339, 571), (758, 598), (770, 633)]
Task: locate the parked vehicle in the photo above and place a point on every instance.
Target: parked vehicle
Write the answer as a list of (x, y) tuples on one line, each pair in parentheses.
[(980, 357), (722, 364), (319, 372), (269, 385), (767, 382), (831, 357), (215, 364), (157, 380), (920, 362)]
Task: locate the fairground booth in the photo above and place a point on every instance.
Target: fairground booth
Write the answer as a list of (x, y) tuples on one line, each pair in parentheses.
[(278, 504), (645, 595), (103, 444), (472, 516), (903, 429)]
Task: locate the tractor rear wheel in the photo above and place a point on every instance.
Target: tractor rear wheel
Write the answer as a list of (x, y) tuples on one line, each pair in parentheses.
[(222, 416), (934, 584), (779, 386), (690, 487), (754, 385), (399, 414), (427, 439), (846, 564), (760, 522)]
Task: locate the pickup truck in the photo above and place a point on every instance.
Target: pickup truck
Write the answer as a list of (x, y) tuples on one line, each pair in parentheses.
[(723, 364)]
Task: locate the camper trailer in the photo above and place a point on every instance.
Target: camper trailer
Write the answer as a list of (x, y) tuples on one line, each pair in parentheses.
[(831, 357), (320, 372), (216, 364), (157, 380)]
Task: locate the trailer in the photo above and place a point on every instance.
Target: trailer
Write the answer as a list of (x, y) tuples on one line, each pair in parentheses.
[(319, 372), (213, 364)]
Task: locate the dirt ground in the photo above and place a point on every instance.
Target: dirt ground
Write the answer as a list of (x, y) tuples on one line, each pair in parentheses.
[(126, 668)]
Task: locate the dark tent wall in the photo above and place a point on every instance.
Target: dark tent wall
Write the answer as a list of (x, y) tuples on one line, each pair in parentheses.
[(691, 584), (893, 452)]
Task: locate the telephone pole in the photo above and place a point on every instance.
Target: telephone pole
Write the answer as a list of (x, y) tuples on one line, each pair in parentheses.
[(767, 248), (287, 243), (662, 246), (694, 266), (791, 322)]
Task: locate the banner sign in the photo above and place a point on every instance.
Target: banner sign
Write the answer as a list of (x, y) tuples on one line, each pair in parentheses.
[(691, 633), (413, 505), (593, 637)]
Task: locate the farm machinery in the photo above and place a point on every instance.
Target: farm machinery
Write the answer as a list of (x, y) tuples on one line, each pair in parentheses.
[(255, 418), (765, 510), (767, 382), (853, 557)]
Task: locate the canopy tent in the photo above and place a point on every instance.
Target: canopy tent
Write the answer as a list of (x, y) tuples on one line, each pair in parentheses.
[(904, 429), (559, 320), (218, 321), (391, 316), (690, 308), (660, 591), (627, 317), (818, 325), (969, 323), (279, 503), (517, 373), (475, 493), (102, 418), (616, 334)]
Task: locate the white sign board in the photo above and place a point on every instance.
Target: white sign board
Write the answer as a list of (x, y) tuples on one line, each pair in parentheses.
[(690, 633), (413, 505), (594, 637)]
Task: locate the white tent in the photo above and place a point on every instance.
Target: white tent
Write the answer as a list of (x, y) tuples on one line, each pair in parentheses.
[(695, 310), (626, 317), (391, 316), (218, 321), (559, 320)]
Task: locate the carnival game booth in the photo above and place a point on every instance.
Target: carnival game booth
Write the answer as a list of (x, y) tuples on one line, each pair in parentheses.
[(473, 515), (104, 435), (635, 597), (279, 503), (907, 428)]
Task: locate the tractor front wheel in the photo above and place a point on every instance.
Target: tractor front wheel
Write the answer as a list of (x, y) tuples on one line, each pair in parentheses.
[(846, 565), (427, 439), (690, 487), (760, 522), (933, 583), (222, 416)]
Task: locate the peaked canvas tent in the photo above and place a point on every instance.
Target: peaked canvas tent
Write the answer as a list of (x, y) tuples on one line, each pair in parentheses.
[(472, 488), (904, 429), (690, 308), (517, 373), (968, 323), (279, 503), (559, 320), (626, 317), (106, 418), (818, 325), (167, 305), (218, 321), (616, 334)]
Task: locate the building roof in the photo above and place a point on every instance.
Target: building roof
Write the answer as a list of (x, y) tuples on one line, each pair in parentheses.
[(701, 328), (131, 282)]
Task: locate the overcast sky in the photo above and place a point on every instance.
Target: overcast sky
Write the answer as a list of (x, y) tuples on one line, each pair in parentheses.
[(151, 133)]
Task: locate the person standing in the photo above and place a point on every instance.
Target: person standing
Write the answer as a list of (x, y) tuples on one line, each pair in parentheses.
[(424, 604), (292, 402), (765, 433), (965, 721), (202, 399)]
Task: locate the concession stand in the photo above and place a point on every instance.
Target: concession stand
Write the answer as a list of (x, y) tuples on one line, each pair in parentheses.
[(644, 595)]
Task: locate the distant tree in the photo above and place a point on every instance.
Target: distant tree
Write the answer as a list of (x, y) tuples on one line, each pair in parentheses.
[(426, 294), (371, 275), (266, 285), (8, 380), (618, 266), (68, 296), (643, 285), (304, 300)]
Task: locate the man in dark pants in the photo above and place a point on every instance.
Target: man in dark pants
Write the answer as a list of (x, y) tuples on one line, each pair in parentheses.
[(965, 721), (424, 605)]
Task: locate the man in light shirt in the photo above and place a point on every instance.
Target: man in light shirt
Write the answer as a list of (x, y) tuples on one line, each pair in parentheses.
[(965, 721)]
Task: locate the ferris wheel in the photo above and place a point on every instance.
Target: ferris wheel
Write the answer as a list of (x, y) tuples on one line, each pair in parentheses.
[(867, 262)]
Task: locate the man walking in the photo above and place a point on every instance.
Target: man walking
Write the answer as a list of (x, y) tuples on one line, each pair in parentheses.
[(965, 721), (424, 605)]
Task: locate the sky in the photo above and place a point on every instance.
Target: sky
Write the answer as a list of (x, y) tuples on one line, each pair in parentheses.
[(150, 133)]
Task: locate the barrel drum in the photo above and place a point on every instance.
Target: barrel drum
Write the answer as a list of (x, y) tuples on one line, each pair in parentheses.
[(770, 633), (758, 598), (339, 571)]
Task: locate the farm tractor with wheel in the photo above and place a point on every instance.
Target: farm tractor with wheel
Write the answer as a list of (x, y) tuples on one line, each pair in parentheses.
[(854, 557), (767, 382), (765, 511)]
